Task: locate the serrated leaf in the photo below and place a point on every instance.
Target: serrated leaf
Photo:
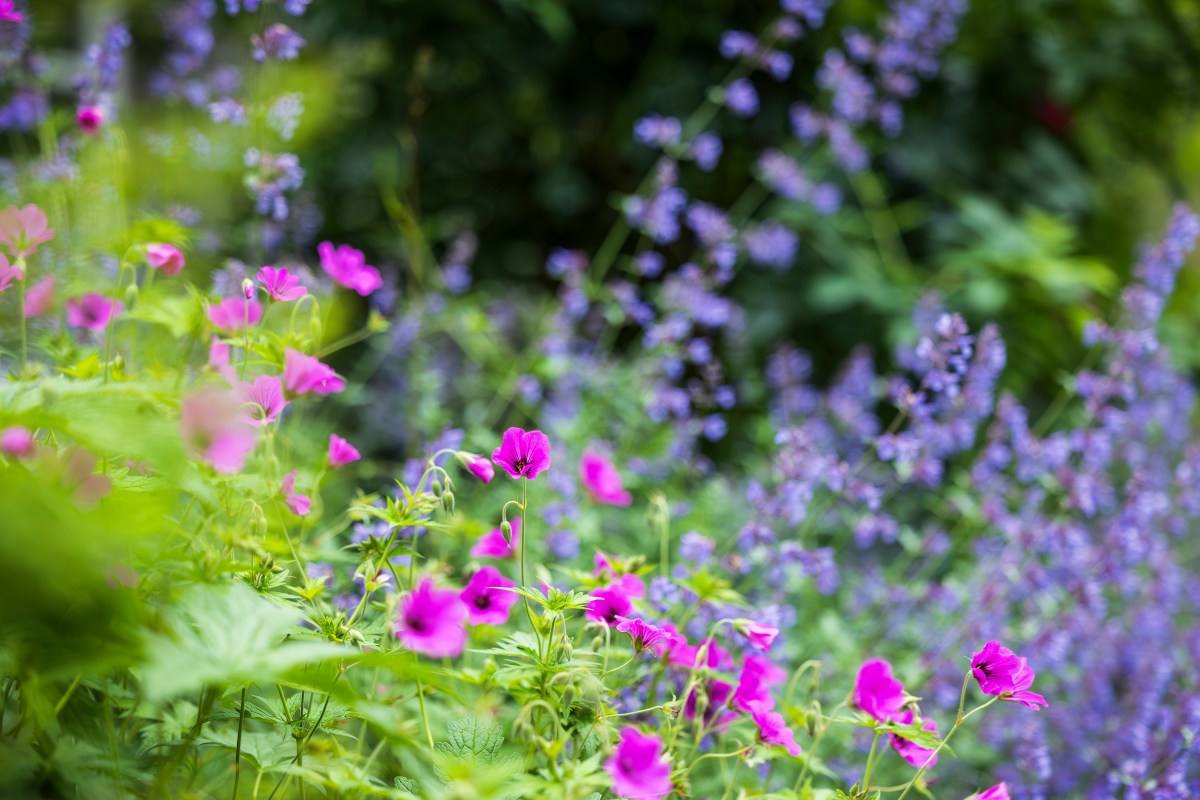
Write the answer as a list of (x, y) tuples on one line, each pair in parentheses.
[(473, 741)]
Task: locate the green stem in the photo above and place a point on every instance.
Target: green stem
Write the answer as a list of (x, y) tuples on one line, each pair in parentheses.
[(424, 714), (957, 724), (67, 694), (112, 321), (524, 537), (237, 753), (866, 781)]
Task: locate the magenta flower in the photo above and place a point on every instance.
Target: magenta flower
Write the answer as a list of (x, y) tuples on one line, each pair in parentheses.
[(306, 375), (478, 466), (8, 12), (607, 605), (262, 401), (214, 431), (299, 504), (234, 314), (349, 268), (637, 767), (23, 229), (91, 311), (761, 637), (8, 273), (877, 692), (39, 297), (755, 682), (522, 453), (997, 792), (485, 597), (773, 729), (909, 750), (89, 119), (716, 692), (280, 284), (17, 442), (493, 544), (601, 479), (682, 654), (432, 621), (645, 636), (341, 452), (166, 257), (218, 360), (1003, 673)]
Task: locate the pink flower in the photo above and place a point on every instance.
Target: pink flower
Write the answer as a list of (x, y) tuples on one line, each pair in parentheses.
[(773, 729), (166, 257), (432, 621), (214, 431), (77, 470), (262, 401), (602, 480), (1003, 673), (754, 684), (235, 314), (8, 13), (341, 452), (218, 360), (608, 604), (493, 544), (761, 637), (8, 273), (299, 504), (39, 297), (877, 692), (306, 375), (716, 695), (523, 454), (23, 229), (17, 442), (997, 792), (349, 268), (280, 284), (89, 119), (682, 654), (478, 466), (637, 767), (909, 750), (486, 600), (645, 636), (91, 311)]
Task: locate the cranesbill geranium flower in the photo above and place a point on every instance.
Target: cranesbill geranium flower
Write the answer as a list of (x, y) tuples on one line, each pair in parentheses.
[(306, 375), (432, 621), (8, 12), (761, 637), (235, 314), (299, 504), (478, 466), (1003, 673), (280, 284), (89, 119), (716, 695), (493, 544), (349, 268), (22, 230), (645, 636), (166, 257), (341, 452), (755, 682), (607, 605), (601, 479), (909, 750), (218, 360), (997, 792), (214, 431), (522, 453), (39, 297), (91, 311), (262, 401), (486, 598), (8, 273), (877, 692), (637, 767), (773, 729), (17, 442)]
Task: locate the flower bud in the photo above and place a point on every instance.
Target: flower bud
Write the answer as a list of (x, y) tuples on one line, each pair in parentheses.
[(131, 295), (436, 487), (506, 529), (448, 501), (248, 288)]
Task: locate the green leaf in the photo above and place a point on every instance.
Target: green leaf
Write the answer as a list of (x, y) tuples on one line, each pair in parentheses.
[(471, 740)]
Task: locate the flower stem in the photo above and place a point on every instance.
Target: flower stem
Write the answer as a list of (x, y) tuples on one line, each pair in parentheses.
[(424, 714), (524, 536), (237, 753)]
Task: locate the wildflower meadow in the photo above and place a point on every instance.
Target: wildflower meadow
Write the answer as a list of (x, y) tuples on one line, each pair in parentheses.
[(543, 399)]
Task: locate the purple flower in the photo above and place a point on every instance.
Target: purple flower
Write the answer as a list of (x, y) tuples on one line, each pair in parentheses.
[(92, 311), (432, 621), (348, 267), (601, 479), (741, 98), (306, 375), (909, 750), (278, 41), (299, 504), (877, 692), (772, 729), (637, 767), (1003, 673), (23, 229), (477, 465), (655, 131), (234, 314), (262, 401), (609, 605), (280, 284), (341, 452), (706, 150), (486, 598), (646, 636), (771, 244), (523, 454)]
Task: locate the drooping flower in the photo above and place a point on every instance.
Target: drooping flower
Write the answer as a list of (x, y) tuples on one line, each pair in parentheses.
[(638, 768), (755, 682), (997, 792), (432, 621), (341, 452), (1003, 673), (348, 267), (877, 692), (280, 284), (493, 544), (262, 401), (8, 273), (306, 375), (89, 119), (299, 504), (17, 442), (909, 750), (166, 257), (773, 729), (23, 229), (523, 454), (92, 311), (601, 479), (487, 601), (234, 314), (477, 465), (608, 604), (214, 431), (760, 636), (39, 297), (645, 636), (218, 360)]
